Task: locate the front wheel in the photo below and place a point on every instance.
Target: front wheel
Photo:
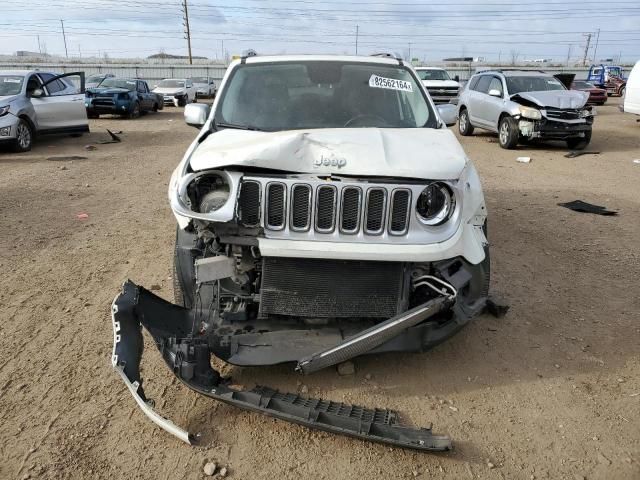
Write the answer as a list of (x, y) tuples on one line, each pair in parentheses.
[(621, 91), (508, 133), (24, 137), (135, 112), (464, 125), (579, 143)]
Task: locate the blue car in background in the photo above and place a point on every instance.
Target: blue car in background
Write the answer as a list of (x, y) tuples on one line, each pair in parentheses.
[(126, 97)]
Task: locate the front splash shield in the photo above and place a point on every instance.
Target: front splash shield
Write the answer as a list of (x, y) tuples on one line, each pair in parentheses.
[(188, 357)]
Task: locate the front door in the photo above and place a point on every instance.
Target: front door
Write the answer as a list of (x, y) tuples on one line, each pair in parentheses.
[(58, 101)]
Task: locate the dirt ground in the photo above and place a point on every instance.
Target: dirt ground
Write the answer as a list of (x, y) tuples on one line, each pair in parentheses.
[(550, 391)]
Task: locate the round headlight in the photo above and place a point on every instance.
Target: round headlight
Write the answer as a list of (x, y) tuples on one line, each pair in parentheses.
[(211, 193), (435, 204)]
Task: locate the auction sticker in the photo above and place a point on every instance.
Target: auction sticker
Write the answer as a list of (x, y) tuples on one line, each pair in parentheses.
[(391, 83)]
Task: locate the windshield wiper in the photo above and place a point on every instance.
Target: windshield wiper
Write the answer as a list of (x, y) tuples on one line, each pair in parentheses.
[(216, 125)]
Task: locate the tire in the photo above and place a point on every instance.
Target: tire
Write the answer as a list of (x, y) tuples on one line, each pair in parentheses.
[(183, 272), (579, 143), (135, 113), (508, 134), (464, 124), (155, 108), (24, 137), (621, 91), (93, 115)]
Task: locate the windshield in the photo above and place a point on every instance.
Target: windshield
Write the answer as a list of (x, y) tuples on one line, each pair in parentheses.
[(171, 84), (117, 83), (616, 71), (200, 80), (532, 84), (303, 95), (10, 84), (433, 75)]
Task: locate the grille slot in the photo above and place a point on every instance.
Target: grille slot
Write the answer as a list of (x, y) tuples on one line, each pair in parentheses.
[(350, 209), (321, 288), (276, 201), (325, 208), (249, 203), (558, 114), (399, 216), (300, 208), (374, 214)]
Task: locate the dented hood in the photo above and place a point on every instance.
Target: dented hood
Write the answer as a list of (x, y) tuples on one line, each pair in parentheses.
[(554, 98), (427, 153)]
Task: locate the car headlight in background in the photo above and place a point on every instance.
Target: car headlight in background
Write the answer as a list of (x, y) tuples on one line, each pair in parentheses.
[(532, 113), (435, 204), (4, 110)]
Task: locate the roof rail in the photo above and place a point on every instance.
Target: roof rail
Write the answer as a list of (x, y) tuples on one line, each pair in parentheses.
[(387, 54)]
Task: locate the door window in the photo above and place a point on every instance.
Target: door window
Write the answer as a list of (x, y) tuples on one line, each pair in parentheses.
[(55, 87), (142, 87), (33, 83), (496, 84), (483, 84)]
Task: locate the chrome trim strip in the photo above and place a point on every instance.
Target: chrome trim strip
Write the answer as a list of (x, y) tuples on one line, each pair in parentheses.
[(359, 214), (382, 216), (333, 210), (310, 198), (266, 207), (407, 217)]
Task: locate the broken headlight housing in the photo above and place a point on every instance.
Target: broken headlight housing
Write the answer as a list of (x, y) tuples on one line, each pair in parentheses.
[(587, 112), (528, 112), (208, 193), (435, 204)]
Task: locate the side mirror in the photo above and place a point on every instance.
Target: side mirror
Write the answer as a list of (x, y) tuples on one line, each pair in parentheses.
[(196, 114), (495, 93), (448, 113), (456, 78), (37, 93)]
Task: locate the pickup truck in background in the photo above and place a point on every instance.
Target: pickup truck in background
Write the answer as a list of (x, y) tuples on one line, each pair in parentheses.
[(609, 77), (126, 97)]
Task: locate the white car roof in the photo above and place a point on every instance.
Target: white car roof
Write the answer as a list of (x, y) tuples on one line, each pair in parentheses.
[(429, 68)]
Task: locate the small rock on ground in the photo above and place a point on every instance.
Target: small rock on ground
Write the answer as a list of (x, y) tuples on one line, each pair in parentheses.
[(210, 469), (224, 472), (346, 368)]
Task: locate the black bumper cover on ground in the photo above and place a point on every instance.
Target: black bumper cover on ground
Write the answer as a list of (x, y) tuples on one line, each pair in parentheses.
[(189, 359)]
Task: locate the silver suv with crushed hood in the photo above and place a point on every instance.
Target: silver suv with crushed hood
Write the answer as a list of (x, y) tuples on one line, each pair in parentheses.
[(324, 212), (524, 106)]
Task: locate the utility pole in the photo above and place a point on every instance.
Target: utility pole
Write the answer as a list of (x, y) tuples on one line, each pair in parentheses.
[(222, 51), (357, 33), (409, 52), (39, 47), (595, 60), (187, 31), (65, 39), (569, 55), (586, 49)]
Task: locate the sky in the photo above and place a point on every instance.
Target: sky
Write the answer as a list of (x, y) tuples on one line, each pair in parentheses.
[(498, 30)]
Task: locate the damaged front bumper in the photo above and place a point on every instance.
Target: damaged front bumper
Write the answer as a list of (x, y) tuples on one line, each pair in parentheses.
[(188, 356)]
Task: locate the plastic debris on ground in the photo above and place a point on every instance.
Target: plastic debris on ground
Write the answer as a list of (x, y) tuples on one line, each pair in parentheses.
[(523, 159), (82, 216), (584, 207), (578, 153)]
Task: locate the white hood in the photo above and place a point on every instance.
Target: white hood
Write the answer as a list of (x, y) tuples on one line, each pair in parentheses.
[(555, 98), (425, 153), (169, 91), (440, 83)]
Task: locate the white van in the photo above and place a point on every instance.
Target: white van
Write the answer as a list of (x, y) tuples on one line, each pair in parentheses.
[(631, 101)]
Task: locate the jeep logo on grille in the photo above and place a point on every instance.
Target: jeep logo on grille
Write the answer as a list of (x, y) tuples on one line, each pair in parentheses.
[(331, 161)]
